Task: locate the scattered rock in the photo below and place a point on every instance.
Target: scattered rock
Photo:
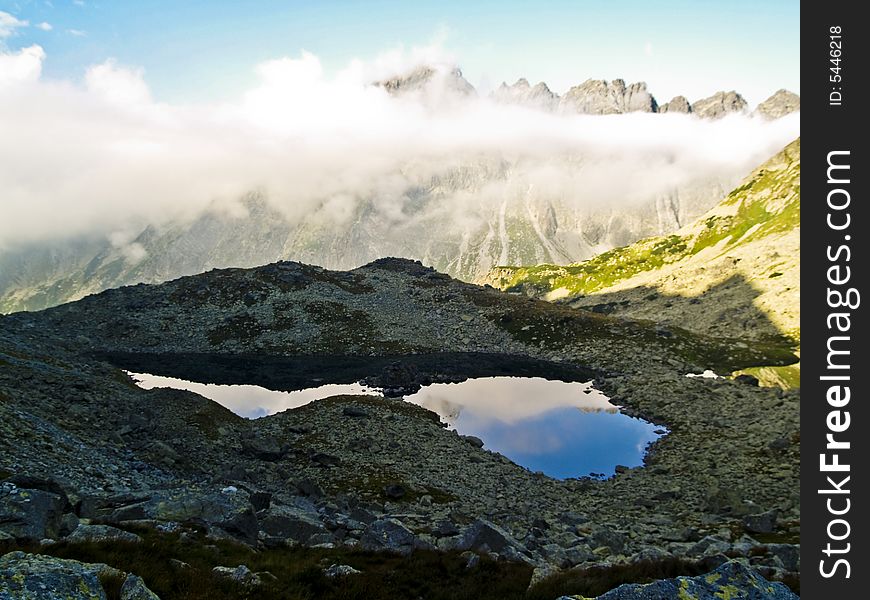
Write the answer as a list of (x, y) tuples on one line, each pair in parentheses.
[(473, 440), (471, 559), (101, 533), (394, 491), (355, 412), (324, 460), (339, 571), (261, 500), (761, 522), (747, 379), (241, 575), (134, 588)]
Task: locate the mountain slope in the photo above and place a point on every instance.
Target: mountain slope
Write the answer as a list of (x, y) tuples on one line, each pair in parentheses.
[(464, 221), (735, 272)]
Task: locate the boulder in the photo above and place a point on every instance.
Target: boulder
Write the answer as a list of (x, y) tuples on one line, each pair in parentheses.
[(38, 576), (324, 460), (484, 536), (473, 440), (746, 379), (29, 514), (101, 533), (241, 575), (731, 580), (339, 571), (51, 486), (305, 487), (263, 448), (230, 512), (284, 523), (604, 537), (394, 491), (355, 412), (261, 500), (760, 522), (788, 554), (709, 545), (389, 535), (134, 588)]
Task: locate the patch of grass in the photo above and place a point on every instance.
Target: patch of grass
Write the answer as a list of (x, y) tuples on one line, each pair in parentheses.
[(785, 377), (767, 204), (777, 537), (298, 571), (237, 327), (345, 330), (211, 418), (112, 585), (372, 485)]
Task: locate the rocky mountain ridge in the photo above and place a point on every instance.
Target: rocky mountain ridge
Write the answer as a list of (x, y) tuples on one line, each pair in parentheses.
[(591, 97), (734, 271)]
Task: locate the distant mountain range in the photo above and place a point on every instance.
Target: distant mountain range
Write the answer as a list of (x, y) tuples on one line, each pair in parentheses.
[(464, 219), (593, 96), (525, 226)]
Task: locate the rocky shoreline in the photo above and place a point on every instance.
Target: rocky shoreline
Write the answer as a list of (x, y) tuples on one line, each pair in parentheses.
[(82, 447)]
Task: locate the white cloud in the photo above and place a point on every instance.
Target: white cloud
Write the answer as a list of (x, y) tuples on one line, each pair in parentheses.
[(21, 67), (104, 156), (648, 49), (77, 32), (8, 24), (44, 26), (118, 85)]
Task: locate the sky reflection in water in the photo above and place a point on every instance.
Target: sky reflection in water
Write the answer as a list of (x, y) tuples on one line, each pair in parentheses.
[(562, 429)]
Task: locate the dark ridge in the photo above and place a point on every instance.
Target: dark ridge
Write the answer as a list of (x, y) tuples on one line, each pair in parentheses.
[(291, 373), (399, 265)]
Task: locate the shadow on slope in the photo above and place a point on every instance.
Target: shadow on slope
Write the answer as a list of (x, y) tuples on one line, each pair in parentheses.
[(727, 312)]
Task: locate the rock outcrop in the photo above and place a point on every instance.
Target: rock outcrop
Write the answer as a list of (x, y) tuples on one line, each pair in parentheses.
[(37, 576), (521, 93), (599, 97), (678, 104), (434, 80), (719, 105), (780, 104)]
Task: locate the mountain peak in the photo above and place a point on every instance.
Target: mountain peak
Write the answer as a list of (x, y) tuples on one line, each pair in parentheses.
[(424, 77), (720, 104), (678, 104), (781, 103), (600, 97)]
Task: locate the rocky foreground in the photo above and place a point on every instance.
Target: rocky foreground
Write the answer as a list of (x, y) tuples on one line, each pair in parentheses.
[(87, 456)]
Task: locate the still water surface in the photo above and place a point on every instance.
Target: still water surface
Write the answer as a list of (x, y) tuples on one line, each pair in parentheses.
[(559, 428)]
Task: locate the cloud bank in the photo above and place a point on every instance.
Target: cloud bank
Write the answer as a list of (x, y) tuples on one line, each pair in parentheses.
[(101, 155)]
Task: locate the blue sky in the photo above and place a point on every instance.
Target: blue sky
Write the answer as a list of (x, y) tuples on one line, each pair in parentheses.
[(203, 51)]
